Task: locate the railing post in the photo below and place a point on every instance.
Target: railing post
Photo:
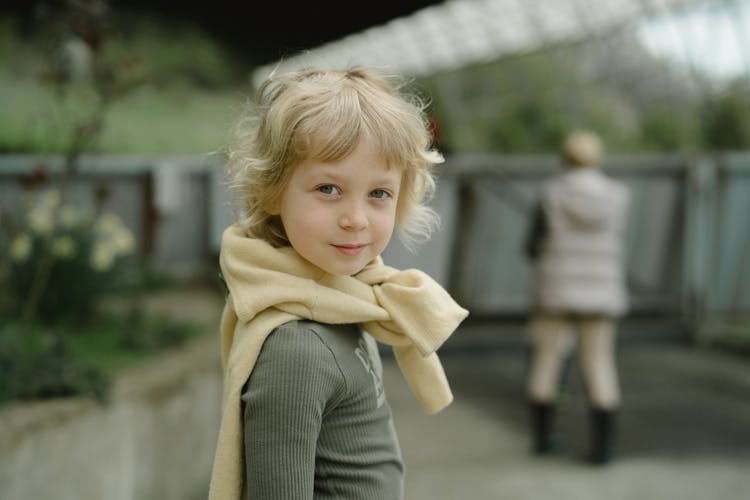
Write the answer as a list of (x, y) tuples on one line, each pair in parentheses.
[(700, 213)]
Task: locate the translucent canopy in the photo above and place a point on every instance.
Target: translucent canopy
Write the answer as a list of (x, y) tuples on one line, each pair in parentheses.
[(459, 33)]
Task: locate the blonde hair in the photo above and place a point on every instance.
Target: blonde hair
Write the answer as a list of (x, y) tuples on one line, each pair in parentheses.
[(322, 115), (582, 148)]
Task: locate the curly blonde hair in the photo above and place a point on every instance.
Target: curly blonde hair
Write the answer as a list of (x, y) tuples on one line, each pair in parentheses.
[(322, 115)]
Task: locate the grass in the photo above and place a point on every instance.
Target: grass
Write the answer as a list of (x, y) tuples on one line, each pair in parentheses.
[(115, 343), (187, 89), (170, 119), (174, 120), (66, 359), (104, 351)]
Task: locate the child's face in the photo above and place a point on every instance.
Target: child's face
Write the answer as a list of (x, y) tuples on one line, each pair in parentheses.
[(340, 215)]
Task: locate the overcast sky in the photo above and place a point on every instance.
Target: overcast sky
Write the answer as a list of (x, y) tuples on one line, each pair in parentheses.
[(714, 38)]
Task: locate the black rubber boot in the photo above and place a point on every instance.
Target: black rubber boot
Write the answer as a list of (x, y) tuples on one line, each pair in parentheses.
[(542, 422), (602, 436)]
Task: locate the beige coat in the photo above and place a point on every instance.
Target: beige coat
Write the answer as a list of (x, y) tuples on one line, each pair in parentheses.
[(580, 268)]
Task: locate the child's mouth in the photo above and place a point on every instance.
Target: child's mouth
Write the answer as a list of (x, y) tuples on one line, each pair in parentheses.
[(349, 250)]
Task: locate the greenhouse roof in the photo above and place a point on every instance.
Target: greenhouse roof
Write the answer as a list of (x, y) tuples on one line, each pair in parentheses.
[(458, 33)]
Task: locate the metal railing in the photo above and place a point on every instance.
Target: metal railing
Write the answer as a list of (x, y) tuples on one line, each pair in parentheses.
[(688, 239)]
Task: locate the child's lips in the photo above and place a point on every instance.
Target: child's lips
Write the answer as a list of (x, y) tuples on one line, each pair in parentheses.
[(350, 250)]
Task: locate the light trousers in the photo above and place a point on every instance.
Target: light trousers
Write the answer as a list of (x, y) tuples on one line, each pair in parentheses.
[(553, 338)]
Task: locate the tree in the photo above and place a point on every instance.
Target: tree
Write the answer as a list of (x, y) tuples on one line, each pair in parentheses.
[(726, 119)]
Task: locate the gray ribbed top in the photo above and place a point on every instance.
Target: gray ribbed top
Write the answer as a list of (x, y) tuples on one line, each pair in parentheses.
[(317, 425)]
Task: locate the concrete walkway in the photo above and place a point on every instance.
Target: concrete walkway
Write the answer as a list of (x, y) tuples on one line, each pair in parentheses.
[(684, 429)]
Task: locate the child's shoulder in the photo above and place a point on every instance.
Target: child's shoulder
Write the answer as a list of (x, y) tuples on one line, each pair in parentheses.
[(298, 334)]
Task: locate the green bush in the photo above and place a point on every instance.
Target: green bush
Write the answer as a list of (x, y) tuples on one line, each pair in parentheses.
[(60, 258), (57, 262), (36, 363), (146, 86), (76, 84), (69, 359), (726, 123)]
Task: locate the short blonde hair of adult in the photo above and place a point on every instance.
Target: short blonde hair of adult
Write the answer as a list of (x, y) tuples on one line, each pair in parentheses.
[(582, 148), (322, 115)]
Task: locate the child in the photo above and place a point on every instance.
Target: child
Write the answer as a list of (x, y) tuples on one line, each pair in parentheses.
[(577, 242), (335, 162)]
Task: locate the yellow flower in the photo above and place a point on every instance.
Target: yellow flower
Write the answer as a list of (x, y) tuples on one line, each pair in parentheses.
[(50, 199), (20, 248), (64, 247), (69, 216), (107, 224), (102, 257), (124, 241), (41, 221)]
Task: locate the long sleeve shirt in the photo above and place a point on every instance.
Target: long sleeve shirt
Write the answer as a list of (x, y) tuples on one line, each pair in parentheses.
[(317, 424)]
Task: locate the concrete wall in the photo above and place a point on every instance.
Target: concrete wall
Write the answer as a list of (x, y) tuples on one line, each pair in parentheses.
[(153, 441)]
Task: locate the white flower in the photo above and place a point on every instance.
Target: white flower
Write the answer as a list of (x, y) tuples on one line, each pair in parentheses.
[(41, 221), (50, 199), (107, 224), (20, 248), (69, 216), (123, 241), (63, 247), (103, 257)]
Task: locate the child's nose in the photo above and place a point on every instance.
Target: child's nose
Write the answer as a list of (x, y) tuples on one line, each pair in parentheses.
[(353, 218)]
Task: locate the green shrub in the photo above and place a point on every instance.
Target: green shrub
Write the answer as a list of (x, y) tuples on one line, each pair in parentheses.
[(726, 119), (60, 259), (35, 363), (69, 359)]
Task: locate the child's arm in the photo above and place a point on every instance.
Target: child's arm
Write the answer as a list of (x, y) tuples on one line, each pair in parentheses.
[(285, 399)]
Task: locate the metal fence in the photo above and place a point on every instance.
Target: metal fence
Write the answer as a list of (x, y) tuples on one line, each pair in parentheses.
[(717, 249), (165, 201), (490, 272), (688, 239)]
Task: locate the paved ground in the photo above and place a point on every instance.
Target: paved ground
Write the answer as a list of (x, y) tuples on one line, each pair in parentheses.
[(684, 430)]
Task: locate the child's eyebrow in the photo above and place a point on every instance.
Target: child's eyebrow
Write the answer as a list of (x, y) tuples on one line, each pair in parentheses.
[(331, 175), (388, 182), (326, 172)]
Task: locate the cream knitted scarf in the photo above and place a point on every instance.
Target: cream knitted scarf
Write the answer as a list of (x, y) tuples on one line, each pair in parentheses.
[(270, 286)]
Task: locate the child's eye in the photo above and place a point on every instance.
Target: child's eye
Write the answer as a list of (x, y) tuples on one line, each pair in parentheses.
[(328, 189), (380, 194)]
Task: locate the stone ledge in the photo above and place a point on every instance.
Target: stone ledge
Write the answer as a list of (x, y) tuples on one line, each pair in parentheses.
[(154, 438)]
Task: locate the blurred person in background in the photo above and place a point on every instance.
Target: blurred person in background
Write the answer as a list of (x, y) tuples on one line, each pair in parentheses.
[(579, 292)]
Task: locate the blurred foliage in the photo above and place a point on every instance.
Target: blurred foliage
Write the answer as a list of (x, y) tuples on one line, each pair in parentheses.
[(661, 132), (176, 53), (165, 86), (72, 72), (73, 359), (59, 259), (726, 118), (35, 364), (57, 263), (525, 104), (80, 75)]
